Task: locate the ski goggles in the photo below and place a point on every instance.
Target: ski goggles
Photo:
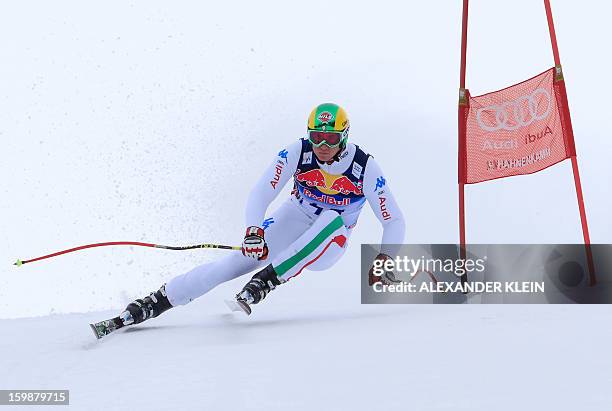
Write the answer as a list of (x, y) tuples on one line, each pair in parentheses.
[(329, 138)]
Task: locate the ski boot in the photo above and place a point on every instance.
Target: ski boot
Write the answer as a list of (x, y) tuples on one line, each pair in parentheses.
[(136, 312), (148, 307), (256, 289)]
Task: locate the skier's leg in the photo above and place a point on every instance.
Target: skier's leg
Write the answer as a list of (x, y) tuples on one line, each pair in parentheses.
[(319, 247), (185, 288), (285, 225), (329, 258)]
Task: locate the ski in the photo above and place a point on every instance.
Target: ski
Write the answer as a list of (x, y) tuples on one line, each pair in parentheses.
[(102, 328), (238, 306)]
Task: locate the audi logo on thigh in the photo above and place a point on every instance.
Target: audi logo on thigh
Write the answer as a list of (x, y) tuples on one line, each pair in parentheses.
[(511, 115)]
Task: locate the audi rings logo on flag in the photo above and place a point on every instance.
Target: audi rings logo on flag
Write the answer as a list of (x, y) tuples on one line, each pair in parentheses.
[(515, 130), (511, 115)]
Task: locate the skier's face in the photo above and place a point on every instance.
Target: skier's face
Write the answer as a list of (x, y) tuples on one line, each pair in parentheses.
[(325, 153)]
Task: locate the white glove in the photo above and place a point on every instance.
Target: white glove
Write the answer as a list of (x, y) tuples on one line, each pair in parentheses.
[(254, 245)]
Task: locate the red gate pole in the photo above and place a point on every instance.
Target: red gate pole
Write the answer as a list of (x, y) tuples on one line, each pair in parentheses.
[(463, 104), (559, 77)]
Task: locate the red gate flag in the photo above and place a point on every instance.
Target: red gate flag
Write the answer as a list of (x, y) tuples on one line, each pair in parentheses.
[(521, 129)]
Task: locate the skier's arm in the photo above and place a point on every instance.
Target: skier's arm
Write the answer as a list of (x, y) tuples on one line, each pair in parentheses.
[(271, 183), (377, 191)]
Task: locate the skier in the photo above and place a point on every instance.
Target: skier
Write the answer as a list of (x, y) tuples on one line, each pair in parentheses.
[(332, 179)]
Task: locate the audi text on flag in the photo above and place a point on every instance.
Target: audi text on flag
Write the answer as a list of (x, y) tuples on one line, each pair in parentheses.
[(517, 130)]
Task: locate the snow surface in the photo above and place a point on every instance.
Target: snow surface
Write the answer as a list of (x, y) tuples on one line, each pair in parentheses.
[(288, 356), (147, 121)]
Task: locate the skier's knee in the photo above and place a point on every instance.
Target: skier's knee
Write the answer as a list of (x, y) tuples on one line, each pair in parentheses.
[(333, 252)]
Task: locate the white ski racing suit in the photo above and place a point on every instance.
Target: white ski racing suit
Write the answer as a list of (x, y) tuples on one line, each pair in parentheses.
[(311, 229)]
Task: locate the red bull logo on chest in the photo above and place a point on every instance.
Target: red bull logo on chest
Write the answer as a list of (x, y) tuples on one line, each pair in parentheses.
[(327, 199), (329, 183), (345, 186)]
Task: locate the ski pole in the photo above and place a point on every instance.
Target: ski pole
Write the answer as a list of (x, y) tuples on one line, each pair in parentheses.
[(19, 262)]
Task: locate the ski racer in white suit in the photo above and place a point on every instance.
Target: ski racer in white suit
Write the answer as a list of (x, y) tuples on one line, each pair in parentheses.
[(332, 180)]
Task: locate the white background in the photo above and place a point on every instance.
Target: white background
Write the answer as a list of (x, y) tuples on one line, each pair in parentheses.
[(149, 121)]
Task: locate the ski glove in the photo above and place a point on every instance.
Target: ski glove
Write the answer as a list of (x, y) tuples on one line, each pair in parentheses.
[(254, 245), (387, 278)]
